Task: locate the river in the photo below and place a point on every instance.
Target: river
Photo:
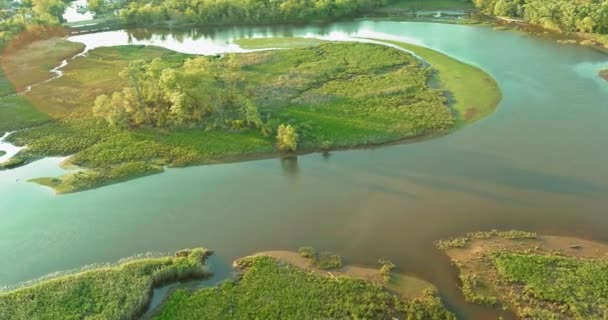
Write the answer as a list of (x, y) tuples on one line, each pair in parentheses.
[(538, 164)]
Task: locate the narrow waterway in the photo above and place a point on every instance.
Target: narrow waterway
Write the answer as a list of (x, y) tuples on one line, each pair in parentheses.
[(538, 163)]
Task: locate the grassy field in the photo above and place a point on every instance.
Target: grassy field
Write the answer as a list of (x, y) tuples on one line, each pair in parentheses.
[(535, 277), (119, 292), (28, 65), (336, 95), (272, 289), (17, 113), (474, 93), (31, 64)]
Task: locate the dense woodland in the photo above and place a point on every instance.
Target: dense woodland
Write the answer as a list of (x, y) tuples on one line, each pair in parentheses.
[(242, 11), (17, 17), (563, 15)]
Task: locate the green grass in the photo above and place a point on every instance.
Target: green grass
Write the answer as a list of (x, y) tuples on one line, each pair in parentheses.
[(475, 94), (336, 95), (17, 113), (270, 289), (556, 287), (119, 292)]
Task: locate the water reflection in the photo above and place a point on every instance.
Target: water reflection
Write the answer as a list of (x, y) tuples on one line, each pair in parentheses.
[(290, 166)]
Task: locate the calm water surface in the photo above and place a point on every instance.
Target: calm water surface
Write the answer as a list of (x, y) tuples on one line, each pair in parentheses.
[(538, 163)]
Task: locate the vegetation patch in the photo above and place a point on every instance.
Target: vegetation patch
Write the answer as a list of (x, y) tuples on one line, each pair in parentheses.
[(473, 94), (537, 278), (461, 242), (118, 292), (604, 74), (271, 289), (323, 260), (126, 112)]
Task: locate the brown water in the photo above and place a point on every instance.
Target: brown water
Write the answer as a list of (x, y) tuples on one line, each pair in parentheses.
[(538, 164)]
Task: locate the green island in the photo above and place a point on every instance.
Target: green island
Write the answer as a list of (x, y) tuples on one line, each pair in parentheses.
[(126, 112), (270, 285), (2, 153), (536, 277)]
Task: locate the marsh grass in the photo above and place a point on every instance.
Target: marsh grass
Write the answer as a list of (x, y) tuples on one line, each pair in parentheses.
[(324, 260), (31, 64), (118, 292), (271, 289), (563, 287), (335, 95), (461, 242)]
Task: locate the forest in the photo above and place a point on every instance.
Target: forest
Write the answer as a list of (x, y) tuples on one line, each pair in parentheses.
[(18, 17), (242, 11), (562, 15)]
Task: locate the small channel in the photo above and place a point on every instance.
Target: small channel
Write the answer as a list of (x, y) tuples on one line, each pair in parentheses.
[(221, 271)]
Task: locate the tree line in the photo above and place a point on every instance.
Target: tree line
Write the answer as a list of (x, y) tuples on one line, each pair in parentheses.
[(563, 15), (17, 17), (200, 12)]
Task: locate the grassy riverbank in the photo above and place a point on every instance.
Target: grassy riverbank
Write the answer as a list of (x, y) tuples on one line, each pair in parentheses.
[(271, 289), (474, 94), (119, 292), (268, 287), (537, 277), (334, 95)]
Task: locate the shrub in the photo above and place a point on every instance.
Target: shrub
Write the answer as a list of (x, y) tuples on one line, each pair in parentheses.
[(287, 138)]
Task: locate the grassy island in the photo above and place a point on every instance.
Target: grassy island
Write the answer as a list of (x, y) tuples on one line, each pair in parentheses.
[(126, 112), (119, 292), (272, 287), (604, 74), (537, 277)]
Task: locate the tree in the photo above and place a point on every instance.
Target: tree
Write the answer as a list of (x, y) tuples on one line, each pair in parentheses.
[(287, 138), (252, 114), (49, 10), (586, 25)]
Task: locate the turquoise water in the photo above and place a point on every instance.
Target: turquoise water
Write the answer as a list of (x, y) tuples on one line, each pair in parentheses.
[(538, 163)]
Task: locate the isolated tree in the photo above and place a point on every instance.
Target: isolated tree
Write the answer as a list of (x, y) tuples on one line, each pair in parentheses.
[(287, 138)]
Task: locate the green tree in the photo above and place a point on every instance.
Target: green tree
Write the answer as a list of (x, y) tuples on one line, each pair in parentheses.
[(287, 138), (252, 114), (49, 10)]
